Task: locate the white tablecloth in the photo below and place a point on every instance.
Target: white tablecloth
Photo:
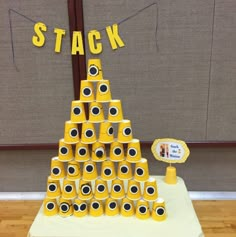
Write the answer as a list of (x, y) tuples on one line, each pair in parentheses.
[(181, 220)]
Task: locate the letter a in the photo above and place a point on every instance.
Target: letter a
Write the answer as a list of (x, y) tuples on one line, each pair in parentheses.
[(77, 43)]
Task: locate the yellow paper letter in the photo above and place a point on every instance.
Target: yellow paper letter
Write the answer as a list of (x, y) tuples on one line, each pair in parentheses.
[(59, 33), (77, 43), (95, 48), (114, 37), (39, 39)]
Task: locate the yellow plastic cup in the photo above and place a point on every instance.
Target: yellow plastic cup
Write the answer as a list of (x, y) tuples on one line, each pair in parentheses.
[(106, 132), (57, 169), (134, 154), (117, 189), (108, 170), (96, 113), (96, 208), (82, 153), (98, 152), (71, 134), (141, 170), (94, 70), (101, 189), (112, 207), (115, 113), (73, 170), (65, 152), (69, 189), (89, 171), (88, 133), (103, 93), (116, 151), (150, 192), (85, 190), (159, 210), (127, 208), (86, 91), (124, 170), (80, 208), (50, 207), (77, 114), (65, 207), (134, 190), (142, 209), (125, 132), (53, 188)]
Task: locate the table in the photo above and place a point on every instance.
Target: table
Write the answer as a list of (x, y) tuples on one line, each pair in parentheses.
[(181, 220)]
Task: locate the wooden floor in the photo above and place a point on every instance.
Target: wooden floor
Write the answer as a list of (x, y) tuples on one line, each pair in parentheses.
[(218, 218)]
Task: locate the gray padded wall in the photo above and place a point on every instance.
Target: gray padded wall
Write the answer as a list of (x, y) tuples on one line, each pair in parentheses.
[(165, 92), (34, 101)]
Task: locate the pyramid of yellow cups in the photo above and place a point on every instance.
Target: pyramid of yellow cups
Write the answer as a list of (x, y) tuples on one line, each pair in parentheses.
[(96, 172)]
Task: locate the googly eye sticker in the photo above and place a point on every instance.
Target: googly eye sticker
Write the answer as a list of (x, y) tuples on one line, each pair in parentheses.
[(95, 205), (73, 132), (82, 151), (89, 133), (95, 110), (150, 190), (76, 110), (68, 188), (99, 152), (101, 188), (87, 91), (56, 171), (64, 207), (139, 171), (124, 169), (117, 151), (160, 211), (127, 131), (112, 205), (52, 187), (110, 131), (113, 111), (71, 169), (117, 188), (134, 189), (86, 189), (50, 206), (126, 206), (132, 152), (63, 150), (142, 209), (107, 172), (89, 168), (93, 70), (103, 88)]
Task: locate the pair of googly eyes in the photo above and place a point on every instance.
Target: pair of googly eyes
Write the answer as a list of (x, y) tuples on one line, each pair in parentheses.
[(86, 189), (80, 207), (87, 91), (50, 206), (74, 132)]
